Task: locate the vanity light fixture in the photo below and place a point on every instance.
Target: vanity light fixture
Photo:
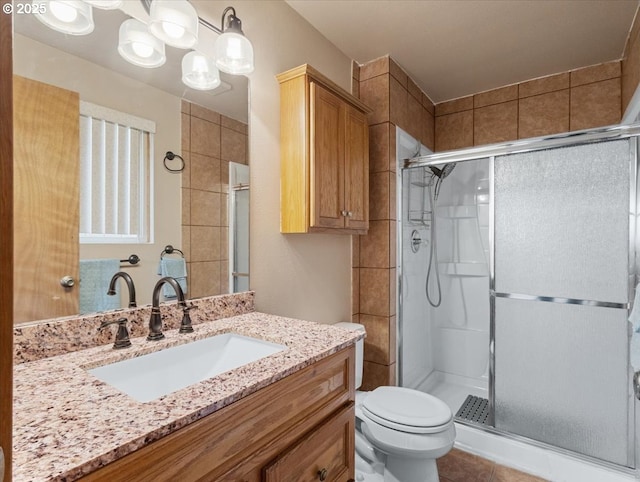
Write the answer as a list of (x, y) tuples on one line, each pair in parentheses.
[(175, 22), (72, 17), (199, 71), (137, 46), (234, 52)]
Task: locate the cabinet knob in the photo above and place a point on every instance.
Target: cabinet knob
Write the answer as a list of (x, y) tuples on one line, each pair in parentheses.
[(344, 213), (349, 213), (67, 281), (322, 474)]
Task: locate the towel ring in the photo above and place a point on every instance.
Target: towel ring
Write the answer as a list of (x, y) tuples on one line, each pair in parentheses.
[(168, 249), (171, 156)]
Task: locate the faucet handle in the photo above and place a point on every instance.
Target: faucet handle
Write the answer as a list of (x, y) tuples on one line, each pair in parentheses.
[(185, 326), (122, 335)]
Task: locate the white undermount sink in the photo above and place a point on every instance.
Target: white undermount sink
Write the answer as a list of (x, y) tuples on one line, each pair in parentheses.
[(151, 376)]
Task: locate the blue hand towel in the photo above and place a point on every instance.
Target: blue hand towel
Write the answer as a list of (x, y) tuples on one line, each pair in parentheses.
[(95, 275), (634, 317), (176, 268)]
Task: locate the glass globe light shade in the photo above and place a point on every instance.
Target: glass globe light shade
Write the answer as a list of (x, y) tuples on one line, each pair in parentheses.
[(234, 53), (175, 22), (199, 72), (105, 4), (72, 17), (137, 46)]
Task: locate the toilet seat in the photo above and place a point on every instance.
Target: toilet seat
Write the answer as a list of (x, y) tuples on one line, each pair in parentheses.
[(407, 410)]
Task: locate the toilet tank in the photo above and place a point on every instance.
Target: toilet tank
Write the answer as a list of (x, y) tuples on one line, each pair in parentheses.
[(359, 348)]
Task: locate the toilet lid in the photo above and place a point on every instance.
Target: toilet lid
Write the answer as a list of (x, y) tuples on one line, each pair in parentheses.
[(407, 410)]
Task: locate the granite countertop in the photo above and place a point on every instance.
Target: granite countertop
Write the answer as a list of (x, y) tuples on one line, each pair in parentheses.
[(67, 423)]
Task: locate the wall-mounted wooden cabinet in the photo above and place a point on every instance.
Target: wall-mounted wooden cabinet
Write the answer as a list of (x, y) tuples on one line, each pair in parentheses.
[(324, 142)]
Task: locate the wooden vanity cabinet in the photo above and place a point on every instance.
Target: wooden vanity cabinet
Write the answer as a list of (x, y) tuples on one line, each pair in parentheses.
[(324, 168), (291, 430)]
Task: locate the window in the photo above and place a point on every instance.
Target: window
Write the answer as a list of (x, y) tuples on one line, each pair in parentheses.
[(116, 192)]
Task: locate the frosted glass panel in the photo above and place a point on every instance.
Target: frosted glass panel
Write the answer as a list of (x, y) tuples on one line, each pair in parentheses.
[(561, 222), (561, 375)]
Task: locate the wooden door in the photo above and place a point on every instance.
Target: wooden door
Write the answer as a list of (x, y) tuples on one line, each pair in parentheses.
[(327, 159), (356, 181), (46, 199), (6, 244)]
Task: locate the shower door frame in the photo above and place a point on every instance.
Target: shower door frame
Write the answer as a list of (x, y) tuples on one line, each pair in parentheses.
[(490, 152)]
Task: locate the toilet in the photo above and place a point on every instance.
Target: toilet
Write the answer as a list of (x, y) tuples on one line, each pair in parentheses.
[(399, 431)]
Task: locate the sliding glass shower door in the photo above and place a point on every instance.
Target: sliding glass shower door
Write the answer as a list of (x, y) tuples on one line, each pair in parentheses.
[(560, 290)]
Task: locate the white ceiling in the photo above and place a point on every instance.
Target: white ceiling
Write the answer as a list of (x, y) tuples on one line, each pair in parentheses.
[(454, 48)]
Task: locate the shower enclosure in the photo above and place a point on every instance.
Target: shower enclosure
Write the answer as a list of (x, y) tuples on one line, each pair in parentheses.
[(516, 282)]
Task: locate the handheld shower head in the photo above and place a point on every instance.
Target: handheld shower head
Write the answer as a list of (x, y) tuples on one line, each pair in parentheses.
[(445, 171)]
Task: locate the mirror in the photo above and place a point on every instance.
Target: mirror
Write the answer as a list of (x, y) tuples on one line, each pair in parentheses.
[(188, 209)]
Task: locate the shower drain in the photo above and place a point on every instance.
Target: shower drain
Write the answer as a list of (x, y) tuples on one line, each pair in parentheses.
[(475, 410)]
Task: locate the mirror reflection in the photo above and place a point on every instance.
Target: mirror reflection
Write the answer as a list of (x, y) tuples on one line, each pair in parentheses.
[(93, 189)]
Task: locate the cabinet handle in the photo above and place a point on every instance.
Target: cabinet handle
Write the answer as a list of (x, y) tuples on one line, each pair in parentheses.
[(322, 475)]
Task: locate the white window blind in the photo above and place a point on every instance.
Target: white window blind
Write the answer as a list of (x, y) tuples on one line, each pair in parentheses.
[(116, 192)]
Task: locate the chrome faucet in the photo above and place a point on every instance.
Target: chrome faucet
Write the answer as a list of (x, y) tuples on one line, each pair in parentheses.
[(155, 322), (129, 281)]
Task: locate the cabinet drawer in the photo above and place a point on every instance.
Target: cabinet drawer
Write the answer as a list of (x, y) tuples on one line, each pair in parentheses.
[(325, 454)]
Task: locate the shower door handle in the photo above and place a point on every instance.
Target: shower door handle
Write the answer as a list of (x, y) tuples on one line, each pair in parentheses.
[(636, 385)]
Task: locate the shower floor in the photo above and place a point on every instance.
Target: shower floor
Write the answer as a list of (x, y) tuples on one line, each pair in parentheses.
[(453, 389)]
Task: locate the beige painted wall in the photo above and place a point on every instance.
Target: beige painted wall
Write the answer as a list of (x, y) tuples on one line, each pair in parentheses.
[(304, 276), (101, 86)]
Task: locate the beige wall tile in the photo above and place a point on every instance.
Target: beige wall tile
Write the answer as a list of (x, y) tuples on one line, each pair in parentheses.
[(205, 208), (631, 64), (355, 318), (234, 146), (495, 123), (379, 147), (374, 291), (377, 375), (456, 105), (374, 68), (428, 104), (224, 244), (378, 196), (204, 279), (185, 126), (454, 131), (398, 73), (415, 117), (398, 104), (205, 243), (234, 125), (596, 73), (374, 246), (224, 176), (393, 162), (186, 242), (186, 206), (377, 346), (375, 93), (496, 96), (355, 70), (392, 341), (224, 209), (595, 105), (393, 283), (204, 113), (185, 106), (185, 177), (355, 290), (393, 225), (205, 137), (429, 131), (224, 277), (205, 173), (543, 114), (543, 85), (355, 251), (392, 196), (414, 90), (355, 88)]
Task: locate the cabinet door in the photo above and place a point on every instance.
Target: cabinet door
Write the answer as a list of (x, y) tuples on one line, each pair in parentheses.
[(327, 159), (325, 454), (356, 180)]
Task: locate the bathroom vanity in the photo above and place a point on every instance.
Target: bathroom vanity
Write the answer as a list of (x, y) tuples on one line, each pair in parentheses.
[(287, 416)]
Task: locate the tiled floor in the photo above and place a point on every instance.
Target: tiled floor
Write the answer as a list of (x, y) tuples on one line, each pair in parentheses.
[(458, 466)]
